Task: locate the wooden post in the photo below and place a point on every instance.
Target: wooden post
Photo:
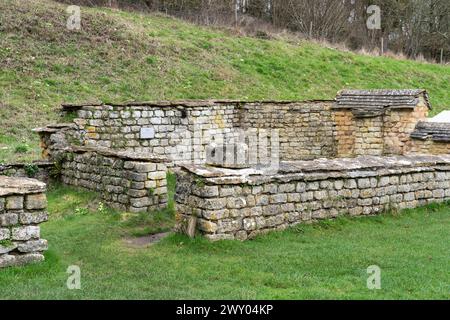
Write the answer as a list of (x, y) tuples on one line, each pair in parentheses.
[(382, 46), (442, 55)]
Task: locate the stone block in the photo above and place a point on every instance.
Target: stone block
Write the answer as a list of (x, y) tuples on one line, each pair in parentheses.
[(28, 258), (4, 234), (8, 219), (25, 233), (14, 203), (33, 246), (7, 260), (36, 201)]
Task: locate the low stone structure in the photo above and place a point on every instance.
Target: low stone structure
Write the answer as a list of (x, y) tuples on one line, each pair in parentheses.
[(176, 133), (431, 138), (127, 181), (40, 170), (22, 208), (240, 204), (378, 122)]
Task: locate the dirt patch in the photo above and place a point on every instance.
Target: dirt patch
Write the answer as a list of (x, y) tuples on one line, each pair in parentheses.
[(145, 241)]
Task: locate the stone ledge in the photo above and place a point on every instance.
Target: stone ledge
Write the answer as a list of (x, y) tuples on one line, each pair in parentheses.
[(125, 155), (365, 166), (182, 103), (10, 186)]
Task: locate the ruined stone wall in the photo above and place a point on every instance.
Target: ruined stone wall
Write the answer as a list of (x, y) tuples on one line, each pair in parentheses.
[(387, 132), (178, 132), (41, 171), (125, 180), (182, 131), (430, 138), (22, 208), (429, 146), (243, 204), (306, 130), (398, 126)]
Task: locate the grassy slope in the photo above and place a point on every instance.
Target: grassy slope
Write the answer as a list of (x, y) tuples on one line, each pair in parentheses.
[(326, 260), (121, 56)]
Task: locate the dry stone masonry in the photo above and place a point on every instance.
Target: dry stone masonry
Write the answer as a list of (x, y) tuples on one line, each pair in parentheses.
[(431, 138), (123, 150), (126, 180), (22, 208), (378, 122), (240, 204)]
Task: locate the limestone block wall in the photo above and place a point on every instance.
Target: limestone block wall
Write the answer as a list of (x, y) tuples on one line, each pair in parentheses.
[(398, 126), (429, 146), (240, 204), (125, 180), (385, 133), (182, 130), (378, 122), (22, 208), (178, 130), (430, 138), (306, 129), (41, 170)]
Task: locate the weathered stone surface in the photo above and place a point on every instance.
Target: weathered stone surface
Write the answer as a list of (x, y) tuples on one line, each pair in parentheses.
[(34, 217), (25, 233), (7, 260), (14, 202), (24, 259), (33, 246), (36, 201), (4, 234), (5, 248), (259, 205), (8, 219)]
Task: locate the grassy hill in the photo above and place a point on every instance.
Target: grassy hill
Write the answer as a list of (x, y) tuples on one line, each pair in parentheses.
[(119, 56)]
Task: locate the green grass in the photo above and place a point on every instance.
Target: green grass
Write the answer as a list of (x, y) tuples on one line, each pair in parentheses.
[(327, 260), (119, 56)]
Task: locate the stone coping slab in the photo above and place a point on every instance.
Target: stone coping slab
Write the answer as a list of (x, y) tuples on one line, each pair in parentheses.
[(125, 155), (15, 185), (364, 166), (183, 103), (52, 128)]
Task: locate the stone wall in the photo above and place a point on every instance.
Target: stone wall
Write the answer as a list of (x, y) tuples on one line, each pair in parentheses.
[(377, 122), (179, 131), (306, 130), (385, 133), (431, 138), (22, 208), (398, 126), (41, 170), (240, 204), (358, 122), (125, 180)]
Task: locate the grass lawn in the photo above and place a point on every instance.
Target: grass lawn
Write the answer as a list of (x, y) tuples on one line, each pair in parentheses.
[(326, 260)]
